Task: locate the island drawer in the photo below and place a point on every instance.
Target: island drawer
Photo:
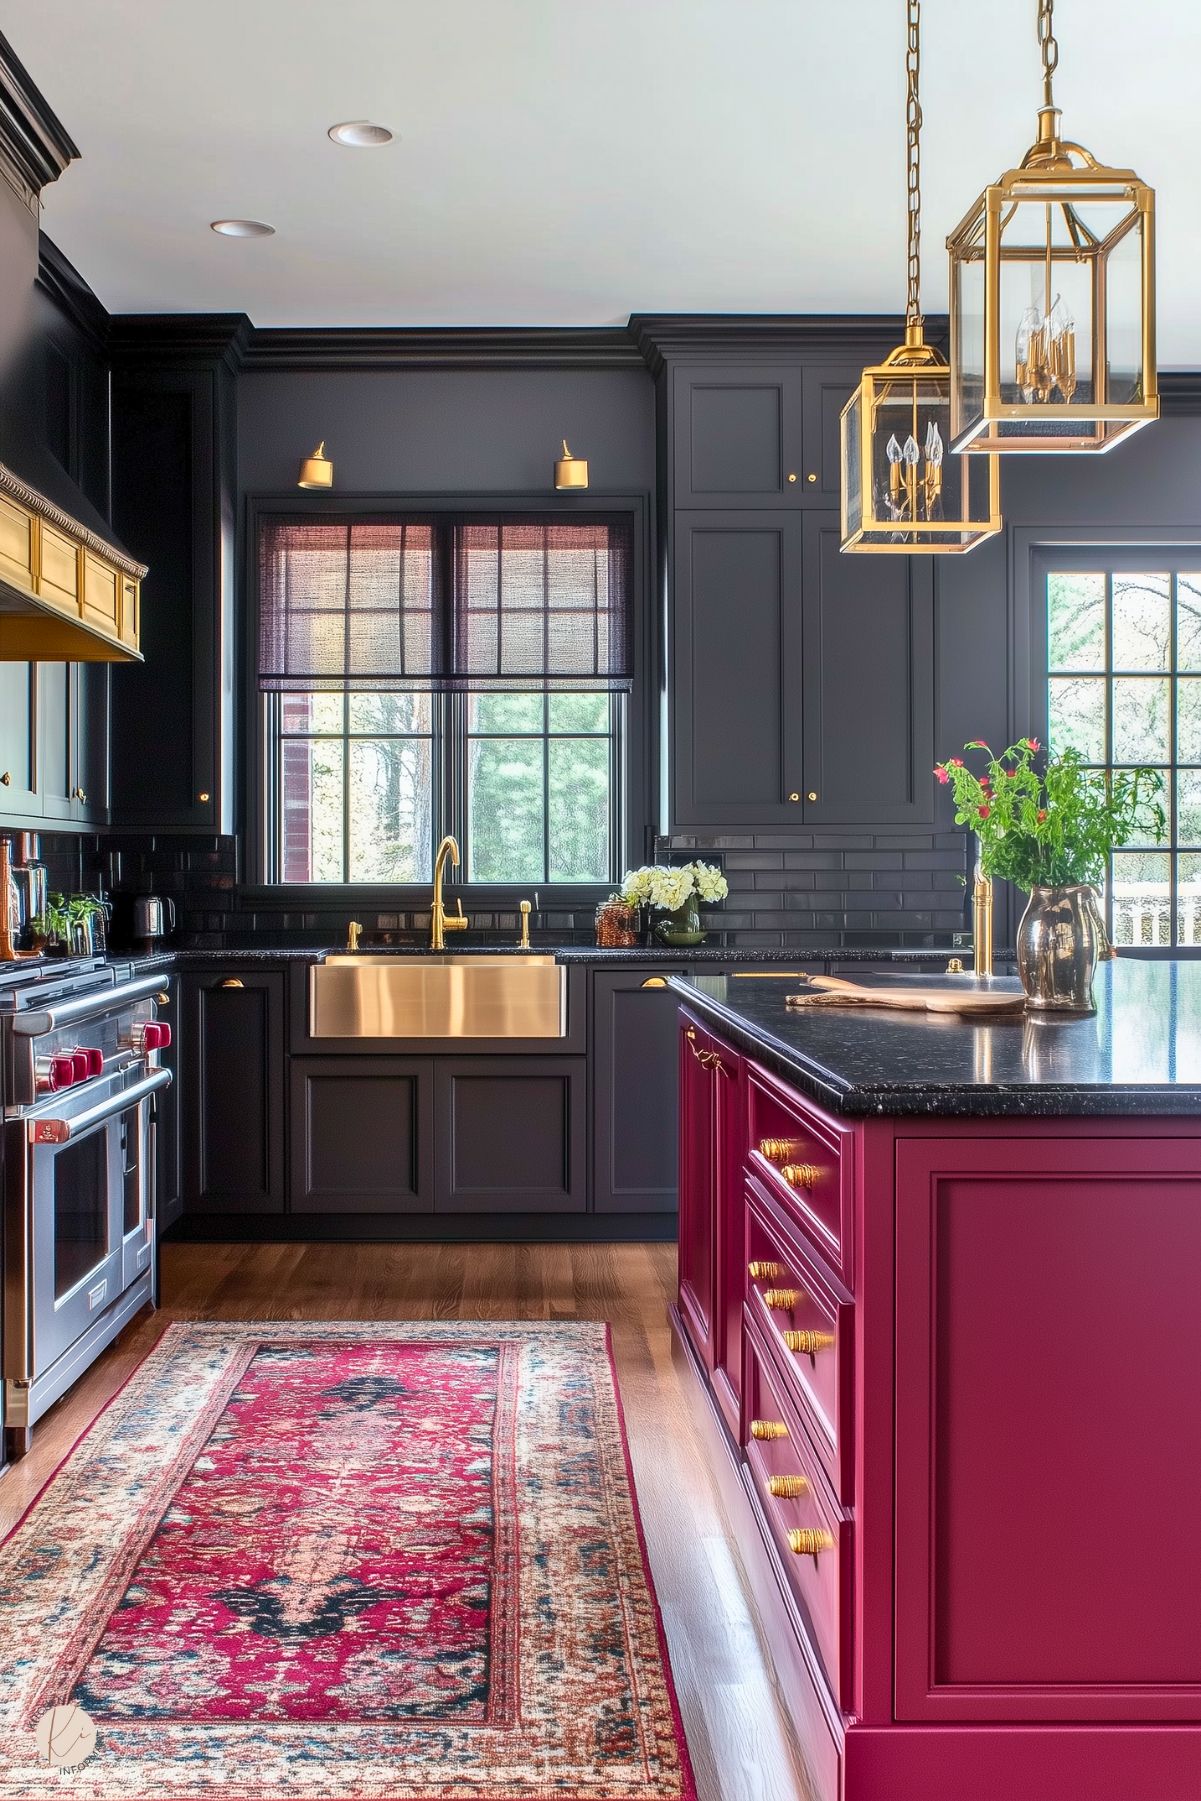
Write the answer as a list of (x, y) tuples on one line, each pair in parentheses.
[(807, 1318), (810, 1532), (806, 1159)]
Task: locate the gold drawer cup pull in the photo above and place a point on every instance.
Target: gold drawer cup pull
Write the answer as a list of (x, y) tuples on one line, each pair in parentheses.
[(810, 1541), (764, 1272), (785, 1299), (768, 1429), (800, 1175), (778, 1150), (808, 1344), (787, 1488)]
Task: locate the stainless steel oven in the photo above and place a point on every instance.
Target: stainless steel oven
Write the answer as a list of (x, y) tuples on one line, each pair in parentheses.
[(79, 1184)]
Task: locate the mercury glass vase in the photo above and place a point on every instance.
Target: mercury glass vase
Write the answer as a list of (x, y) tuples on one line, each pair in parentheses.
[(1059, 939), (681, 927)]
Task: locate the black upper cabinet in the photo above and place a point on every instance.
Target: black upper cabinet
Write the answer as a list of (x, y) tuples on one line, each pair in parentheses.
[(174, 467), (867, 679), (736, 662), (748, 434)]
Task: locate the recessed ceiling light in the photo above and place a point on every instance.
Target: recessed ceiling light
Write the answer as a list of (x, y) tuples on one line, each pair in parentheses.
[(242, 228), (360, 134)]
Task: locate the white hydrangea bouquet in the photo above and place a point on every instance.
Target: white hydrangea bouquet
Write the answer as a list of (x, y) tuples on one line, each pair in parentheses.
[(676, 892)]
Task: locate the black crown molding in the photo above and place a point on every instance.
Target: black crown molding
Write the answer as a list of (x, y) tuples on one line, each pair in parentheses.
[(61, 280), (343, 348), (34, 146), (1180, 392), (165, 340), (660, 336)]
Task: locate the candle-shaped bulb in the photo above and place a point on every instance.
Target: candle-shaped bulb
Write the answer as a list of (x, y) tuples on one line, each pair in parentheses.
[(893, 450), (933, 444), (912, 453)]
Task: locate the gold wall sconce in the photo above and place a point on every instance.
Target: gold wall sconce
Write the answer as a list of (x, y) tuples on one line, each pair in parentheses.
[(571, 472), (316, 471)]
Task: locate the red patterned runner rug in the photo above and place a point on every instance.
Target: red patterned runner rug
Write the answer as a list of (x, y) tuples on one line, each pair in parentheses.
[(324, 1562)]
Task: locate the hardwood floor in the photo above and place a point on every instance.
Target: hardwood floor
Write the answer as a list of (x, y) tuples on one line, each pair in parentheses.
[(741, 1744)]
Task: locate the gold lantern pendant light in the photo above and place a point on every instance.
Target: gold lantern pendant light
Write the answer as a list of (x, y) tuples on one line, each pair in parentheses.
[(1053, 298), (901, 492)]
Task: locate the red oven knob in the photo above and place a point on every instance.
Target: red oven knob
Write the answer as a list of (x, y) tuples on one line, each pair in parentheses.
[(79, 1061), (55, 1072), (164, 1034), (95, 1059)]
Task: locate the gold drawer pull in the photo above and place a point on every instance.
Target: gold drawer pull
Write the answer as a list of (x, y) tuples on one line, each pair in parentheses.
[(808, 1344), (764, 1272), (777, 1150), (233, 982), (783, 1298), (768, 1429), (787, 1488), (800, 1175), (654, 982), (810, 1541)]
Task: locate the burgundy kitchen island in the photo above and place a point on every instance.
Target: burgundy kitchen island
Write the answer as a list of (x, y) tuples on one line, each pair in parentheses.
[(942, 1282)]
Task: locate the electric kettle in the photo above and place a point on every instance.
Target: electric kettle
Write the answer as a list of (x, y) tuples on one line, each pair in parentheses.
[(153, 916)]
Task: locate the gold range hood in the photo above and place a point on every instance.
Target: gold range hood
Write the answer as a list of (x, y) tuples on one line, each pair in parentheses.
[(66, 594)]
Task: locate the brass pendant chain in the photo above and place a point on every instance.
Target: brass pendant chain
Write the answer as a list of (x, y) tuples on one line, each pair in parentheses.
[(1049, 46), (913, 160)]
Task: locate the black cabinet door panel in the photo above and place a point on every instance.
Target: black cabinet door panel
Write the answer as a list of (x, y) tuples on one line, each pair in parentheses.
[(827, 388), (634, 1092), (736, 655), (362, 1135), (737, 436), (511, 1134), (232, 1091), (868, 684)]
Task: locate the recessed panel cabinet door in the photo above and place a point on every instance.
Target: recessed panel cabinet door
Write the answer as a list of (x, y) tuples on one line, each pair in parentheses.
[(827, 388), (511, 1134), (362, 1135), (698, 1189), (737, 435), (18, 762), (868, 661), (233, 1095), (635, 1027), (736, 670), (1048, 1437)]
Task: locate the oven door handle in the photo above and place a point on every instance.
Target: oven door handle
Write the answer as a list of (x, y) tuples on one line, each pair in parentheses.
[(62, 1131), (86, 1006)]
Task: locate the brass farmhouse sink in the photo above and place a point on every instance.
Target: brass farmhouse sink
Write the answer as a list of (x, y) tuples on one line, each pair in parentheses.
[(438, 997)]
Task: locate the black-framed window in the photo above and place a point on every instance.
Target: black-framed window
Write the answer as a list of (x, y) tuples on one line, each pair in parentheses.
[(450, 673), (1122, 644)]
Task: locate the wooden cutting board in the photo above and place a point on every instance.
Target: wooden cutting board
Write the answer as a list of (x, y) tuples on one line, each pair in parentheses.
[(833, 991)]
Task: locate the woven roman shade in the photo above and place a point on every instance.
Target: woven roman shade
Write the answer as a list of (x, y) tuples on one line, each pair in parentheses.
[(440, 604)]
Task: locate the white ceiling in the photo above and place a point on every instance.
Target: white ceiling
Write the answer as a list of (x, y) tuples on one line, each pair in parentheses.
[(566, 162)]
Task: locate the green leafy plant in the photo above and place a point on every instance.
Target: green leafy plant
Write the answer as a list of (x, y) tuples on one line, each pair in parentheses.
[(1054, 829), (63, 912)]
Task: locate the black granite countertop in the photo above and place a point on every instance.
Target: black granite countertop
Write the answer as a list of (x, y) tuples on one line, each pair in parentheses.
[(1139, 1054), (751, 955)]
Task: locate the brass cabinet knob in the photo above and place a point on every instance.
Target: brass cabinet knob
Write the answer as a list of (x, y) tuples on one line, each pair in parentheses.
[(811, 477), (690, 1033), (810, 1541), (764, 1272), (808, 1343), (812, 794), (654, 982), (794, 795), (787, 1488), (78, 794), (768, 1429), (233, 982), (782, 1300), (955, 966), (163, 998), (204, 796), (792, 475), (6, 778), (800, 1175)]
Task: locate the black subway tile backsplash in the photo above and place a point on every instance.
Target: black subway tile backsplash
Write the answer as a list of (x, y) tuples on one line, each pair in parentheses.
[(790, 890)]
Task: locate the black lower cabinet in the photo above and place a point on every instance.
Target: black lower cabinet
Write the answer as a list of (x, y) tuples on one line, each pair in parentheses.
[(362, 1132), (634, 1099), (511, 1134), (233, 1091)]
